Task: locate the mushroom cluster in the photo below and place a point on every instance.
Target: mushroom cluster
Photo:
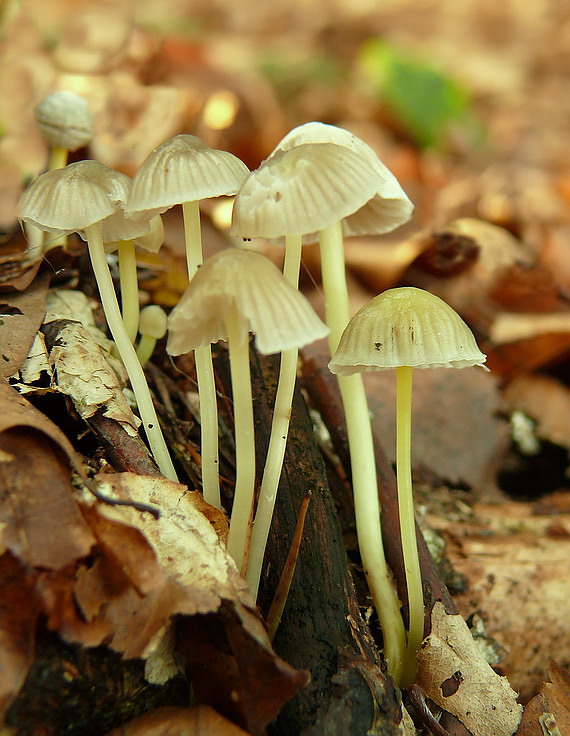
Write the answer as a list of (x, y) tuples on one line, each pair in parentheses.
[(320, 183)]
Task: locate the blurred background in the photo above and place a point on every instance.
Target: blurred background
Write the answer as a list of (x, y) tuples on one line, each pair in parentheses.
[(468, 103)]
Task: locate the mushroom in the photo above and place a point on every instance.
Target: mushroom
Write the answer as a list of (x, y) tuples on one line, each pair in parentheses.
[(65, 123), (328, 180), (184, 170), (152, 327), (406, 328), (237, 291), (150, 240), (87, 197)]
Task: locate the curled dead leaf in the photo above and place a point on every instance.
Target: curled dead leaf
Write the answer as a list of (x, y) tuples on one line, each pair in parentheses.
[(453, 673)]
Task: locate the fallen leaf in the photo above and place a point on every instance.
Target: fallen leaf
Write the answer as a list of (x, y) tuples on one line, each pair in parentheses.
[(548, 713), (170, 721), (21, 314), (40, 521), (514, 563), (19, 610), (453, 673), (17, 412)]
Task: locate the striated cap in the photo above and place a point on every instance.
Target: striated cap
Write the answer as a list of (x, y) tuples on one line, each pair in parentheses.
[(64, 120), (71, 199), (387, 209), (183, 169), (405, 327), (302, 190), (279, 315)]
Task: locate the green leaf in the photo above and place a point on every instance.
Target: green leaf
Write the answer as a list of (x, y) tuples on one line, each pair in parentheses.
[(423, 99)]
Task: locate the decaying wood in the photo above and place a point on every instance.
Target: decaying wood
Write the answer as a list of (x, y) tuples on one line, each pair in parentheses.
[(322, 629)]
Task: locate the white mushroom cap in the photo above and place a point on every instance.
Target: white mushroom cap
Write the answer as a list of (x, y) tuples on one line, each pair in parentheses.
[(64, 120), (387, 209), (71, 199), (302, 190), (405, 327), (147, 234), (183, 169), (268, 305)]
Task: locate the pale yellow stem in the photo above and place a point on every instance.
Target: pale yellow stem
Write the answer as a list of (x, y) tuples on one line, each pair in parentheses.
[(204, 370), (127, 352), (278, 436), (129, 287), (362, 458), (242, 509), (407, 521)]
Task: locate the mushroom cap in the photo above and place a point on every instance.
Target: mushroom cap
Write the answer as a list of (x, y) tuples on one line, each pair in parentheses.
[(405, 327), (279, 315), (71, 199), (153, 321), (387, 209), (302, 190), (183, 169), (147, 234), (64, 120)]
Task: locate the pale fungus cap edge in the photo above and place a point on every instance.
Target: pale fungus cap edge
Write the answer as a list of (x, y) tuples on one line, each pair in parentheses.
[(280, 317), (405, 327)]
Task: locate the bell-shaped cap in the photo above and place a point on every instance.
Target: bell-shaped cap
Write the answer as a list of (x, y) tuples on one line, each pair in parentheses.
[(183, 169), (278, 314), (387, 209), (302, 190), (405, 327), (72, 198), (64, 120)]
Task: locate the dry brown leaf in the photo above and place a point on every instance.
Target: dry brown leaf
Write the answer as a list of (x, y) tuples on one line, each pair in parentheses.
[(453, 673), (18, 614), (17, 412), (514, 560), (170, 721), (148, 569), (40, 522), (21, 315), (548, 713)]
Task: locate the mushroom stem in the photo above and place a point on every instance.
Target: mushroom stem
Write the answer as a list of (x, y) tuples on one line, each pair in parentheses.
[(57, 158), (129, 287), (204, 369), (127, 352), (242, 509), (362, 458), (407, 521), (279, 433)]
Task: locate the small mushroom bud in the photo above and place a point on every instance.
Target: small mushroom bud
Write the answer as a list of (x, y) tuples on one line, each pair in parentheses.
[(152, 327), (64, 120)]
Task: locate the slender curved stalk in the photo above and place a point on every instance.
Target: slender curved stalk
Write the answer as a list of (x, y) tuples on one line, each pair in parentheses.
[(242, 509), (279, 433), (127, 352), (407, 521), (204, 370), (363, 462), (129, 287)]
